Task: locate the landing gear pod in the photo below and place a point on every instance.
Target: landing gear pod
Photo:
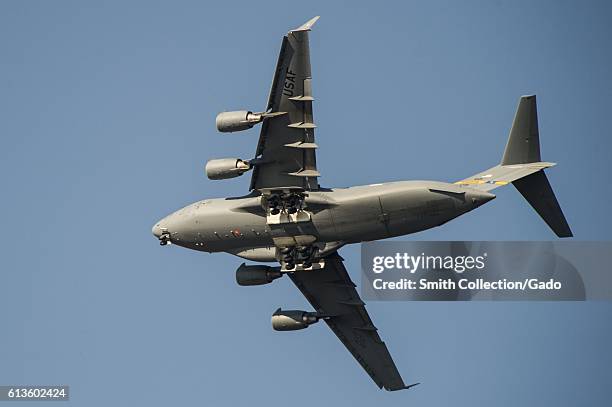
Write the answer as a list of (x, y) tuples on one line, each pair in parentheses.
[(292, 320), (225, 168), (240, 120)]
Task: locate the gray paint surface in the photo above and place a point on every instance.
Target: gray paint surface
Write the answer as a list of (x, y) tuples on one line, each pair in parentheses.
[(296, 223), (95, 119)]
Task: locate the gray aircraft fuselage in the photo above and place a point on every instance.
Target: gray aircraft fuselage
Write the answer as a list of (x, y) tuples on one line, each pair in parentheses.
[(343, 215), (289, 219)]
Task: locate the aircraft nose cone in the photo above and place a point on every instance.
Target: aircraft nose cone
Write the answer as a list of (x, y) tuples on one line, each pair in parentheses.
[(156, 230)]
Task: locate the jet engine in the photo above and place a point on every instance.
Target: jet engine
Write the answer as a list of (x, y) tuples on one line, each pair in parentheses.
[(225, 168), (228, 122), (292, 320), (256, 275)]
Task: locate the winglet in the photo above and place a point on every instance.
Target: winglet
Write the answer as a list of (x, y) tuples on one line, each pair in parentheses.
[(307, 25), (403, 387)]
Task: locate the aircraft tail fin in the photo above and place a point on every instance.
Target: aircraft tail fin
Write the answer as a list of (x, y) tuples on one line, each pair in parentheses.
[(521, 166)]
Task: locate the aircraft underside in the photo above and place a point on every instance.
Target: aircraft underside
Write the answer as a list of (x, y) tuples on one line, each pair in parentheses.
[(290, 219)]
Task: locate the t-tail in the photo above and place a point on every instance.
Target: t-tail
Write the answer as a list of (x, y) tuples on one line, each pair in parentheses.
[(521, 165)]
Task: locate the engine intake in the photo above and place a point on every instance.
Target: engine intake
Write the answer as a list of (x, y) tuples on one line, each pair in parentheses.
[(292, 320), (256, 275), (228, 122), (225, 168)]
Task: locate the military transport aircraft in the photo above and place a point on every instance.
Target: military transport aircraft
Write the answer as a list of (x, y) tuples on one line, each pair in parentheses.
[(290, 219)]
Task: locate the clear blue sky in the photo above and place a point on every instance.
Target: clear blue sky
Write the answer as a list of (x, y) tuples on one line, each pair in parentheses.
[(107, 118)]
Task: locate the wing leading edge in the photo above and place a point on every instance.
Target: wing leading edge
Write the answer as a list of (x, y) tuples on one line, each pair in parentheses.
[(332, 292)]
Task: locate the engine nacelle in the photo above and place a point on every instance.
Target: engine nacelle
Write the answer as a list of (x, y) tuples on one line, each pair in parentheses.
[(256, 275), (292, 320), (228, 122), (225, 168)]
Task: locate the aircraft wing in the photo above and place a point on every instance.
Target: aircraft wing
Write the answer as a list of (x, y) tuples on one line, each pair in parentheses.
[(331, 292), (285, 156)]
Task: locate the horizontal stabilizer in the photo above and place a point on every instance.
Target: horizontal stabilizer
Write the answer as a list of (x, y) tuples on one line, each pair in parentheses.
[(521, 165), (536, 189), (524, 140)]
